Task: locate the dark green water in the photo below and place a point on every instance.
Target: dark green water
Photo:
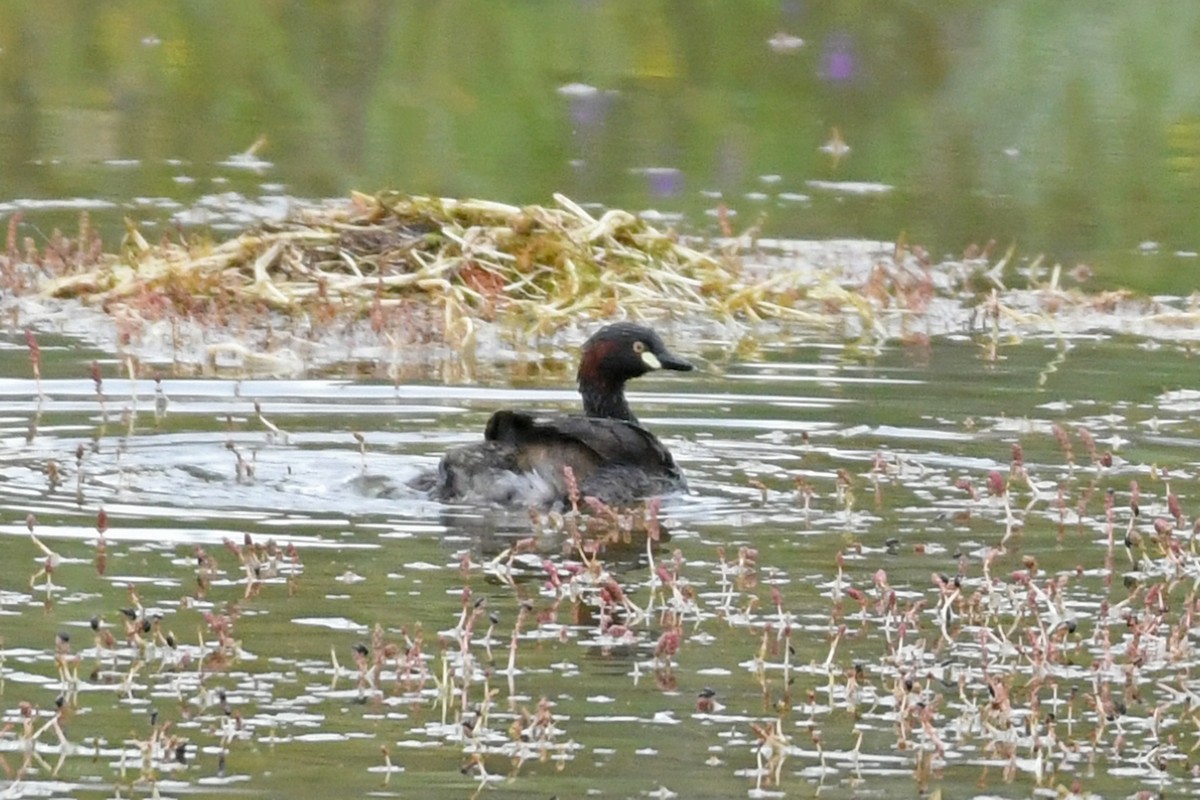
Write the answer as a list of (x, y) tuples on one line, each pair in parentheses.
[(1051, 126)]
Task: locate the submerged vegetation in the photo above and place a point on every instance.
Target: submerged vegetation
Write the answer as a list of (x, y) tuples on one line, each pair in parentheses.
[(984, 658)]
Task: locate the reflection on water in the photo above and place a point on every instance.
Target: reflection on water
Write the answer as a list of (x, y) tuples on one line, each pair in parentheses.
[(953, 123), (267, 592)]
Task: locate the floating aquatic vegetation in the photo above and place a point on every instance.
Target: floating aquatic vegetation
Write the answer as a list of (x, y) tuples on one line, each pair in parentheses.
[(362, 279), (1025, 676), (1019, 621), (537, 267), (1046, 666)]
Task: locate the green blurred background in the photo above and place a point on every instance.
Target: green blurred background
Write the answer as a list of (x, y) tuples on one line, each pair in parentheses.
[(1066, 128)]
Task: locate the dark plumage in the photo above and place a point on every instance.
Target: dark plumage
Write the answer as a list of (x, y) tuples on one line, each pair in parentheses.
[(613, 458)]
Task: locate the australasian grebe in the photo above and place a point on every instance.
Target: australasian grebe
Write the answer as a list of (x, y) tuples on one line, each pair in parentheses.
[(521, 459)]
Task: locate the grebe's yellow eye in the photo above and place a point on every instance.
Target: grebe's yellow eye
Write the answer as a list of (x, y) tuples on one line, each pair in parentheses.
[(648, 358)]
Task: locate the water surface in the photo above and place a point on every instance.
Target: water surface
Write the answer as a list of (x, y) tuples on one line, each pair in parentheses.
[(375, 563), (953, 123)]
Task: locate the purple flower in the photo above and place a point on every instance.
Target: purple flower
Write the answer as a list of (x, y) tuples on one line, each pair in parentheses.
[(839, 62)]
